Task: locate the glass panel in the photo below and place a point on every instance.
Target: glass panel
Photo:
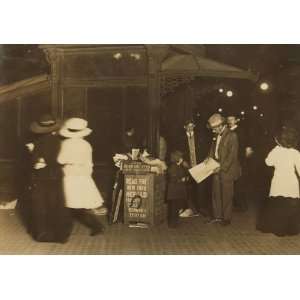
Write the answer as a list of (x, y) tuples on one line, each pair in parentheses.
[(109, 111), (32, 108), (136, 111), (96, 65), (104, 114), (73, 102)]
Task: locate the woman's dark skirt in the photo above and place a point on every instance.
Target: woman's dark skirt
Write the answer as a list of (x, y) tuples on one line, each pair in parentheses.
[(49, 219), (280, 216)]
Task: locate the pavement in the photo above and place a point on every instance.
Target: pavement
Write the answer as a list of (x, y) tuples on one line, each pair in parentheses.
[(191, 237)]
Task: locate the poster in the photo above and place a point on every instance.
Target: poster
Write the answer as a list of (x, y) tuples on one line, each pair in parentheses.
[(136, 197)]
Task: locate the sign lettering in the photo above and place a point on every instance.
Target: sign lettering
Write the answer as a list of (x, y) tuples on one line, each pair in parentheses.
[(136, 196)]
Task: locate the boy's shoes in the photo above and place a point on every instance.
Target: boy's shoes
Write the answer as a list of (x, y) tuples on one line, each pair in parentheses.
[(188, 213), (214, 221), (218, 221)]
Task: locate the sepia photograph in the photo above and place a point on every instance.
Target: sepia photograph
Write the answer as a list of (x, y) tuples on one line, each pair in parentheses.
[(168, 149), (149, 150)]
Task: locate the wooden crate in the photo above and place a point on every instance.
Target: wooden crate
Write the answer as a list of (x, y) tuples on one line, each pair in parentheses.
[(144, 198)]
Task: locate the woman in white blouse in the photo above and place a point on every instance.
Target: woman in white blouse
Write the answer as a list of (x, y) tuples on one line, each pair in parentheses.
[(282, 212)]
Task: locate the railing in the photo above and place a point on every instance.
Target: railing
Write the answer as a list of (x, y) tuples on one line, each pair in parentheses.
[(23, 87)]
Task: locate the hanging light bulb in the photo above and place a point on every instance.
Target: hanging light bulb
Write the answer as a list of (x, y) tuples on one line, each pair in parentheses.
[(264, 86), (242, 113), (136, 56), (220, 110), (229, 93), (255, 107), (221, 90), (117, 56)]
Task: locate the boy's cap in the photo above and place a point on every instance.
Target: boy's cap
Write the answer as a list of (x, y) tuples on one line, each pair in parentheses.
[(176, 155)]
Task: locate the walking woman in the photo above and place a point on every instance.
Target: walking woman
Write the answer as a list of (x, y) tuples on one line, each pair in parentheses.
[(80, 191), (281, 215), (48, 217)]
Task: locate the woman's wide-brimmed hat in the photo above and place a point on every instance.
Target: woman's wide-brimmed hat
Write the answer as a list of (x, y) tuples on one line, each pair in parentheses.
[(75, 128), (46, 124), (287, 137)]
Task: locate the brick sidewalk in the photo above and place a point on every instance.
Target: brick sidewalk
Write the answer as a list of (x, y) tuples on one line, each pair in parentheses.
[(192, 237)]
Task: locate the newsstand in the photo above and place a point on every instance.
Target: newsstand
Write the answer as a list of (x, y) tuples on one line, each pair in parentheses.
[(144, 195)]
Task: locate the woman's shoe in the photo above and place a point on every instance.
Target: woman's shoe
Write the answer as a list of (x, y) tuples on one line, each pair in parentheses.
[(97, 231)]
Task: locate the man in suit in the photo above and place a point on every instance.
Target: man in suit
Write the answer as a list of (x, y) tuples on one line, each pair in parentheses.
[(194, 147), (242, 184), (224, 149)]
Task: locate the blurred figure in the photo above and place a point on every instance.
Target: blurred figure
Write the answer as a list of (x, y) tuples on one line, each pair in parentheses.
[(48, 216), (242, 186), (163, 148), (80, 191), (281, 214), (224, 150), (23, 180), (130, 139)]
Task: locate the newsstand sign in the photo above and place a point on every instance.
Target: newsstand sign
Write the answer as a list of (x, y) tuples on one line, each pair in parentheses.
[(136, 195)]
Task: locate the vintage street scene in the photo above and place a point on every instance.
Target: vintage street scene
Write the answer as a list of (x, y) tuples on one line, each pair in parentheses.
[(168, 149)]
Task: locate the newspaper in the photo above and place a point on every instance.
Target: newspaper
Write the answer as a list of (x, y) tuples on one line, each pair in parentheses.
[(204, 169)]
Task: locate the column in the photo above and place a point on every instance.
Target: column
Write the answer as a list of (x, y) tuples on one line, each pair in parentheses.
[(155, 55), (54, 61)]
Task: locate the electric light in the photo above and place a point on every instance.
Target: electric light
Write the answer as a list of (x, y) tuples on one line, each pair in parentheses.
[(264, 86), (136, 56), (117, 55), (229, 94)]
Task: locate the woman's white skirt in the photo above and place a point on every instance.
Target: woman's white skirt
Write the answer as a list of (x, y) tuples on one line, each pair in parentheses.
[(81, 192)]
